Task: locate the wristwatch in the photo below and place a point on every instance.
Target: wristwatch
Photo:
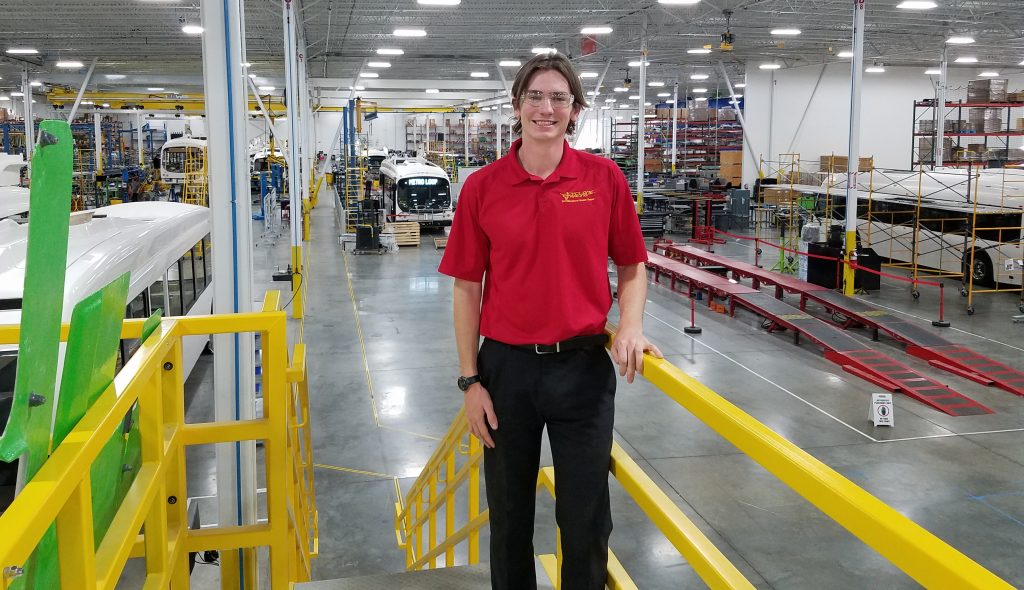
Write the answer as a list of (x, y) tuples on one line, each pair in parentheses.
[(465, 382)]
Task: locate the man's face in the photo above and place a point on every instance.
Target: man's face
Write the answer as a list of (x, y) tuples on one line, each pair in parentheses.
[(545, 119)]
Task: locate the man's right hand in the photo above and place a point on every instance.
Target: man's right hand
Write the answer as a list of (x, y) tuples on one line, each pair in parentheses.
[(480, 414)]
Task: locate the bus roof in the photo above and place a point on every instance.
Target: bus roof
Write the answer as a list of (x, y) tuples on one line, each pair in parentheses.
[(184, 142), (399, 167), (13, 201)]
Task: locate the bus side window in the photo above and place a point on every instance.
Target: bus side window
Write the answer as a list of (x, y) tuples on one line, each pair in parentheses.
[(157, 298), (207, 260)]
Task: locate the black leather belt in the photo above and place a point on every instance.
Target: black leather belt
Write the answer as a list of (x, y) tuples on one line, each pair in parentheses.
[(574, 343)]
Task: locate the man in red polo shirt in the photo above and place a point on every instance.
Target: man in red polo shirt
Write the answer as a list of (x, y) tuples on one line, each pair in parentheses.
[(529, 252)]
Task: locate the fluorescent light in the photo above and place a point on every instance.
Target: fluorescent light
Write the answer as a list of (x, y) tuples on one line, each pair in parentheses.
[(87, 102), (966, 60), (105, 105), (69, 64), (192, 30), (359, 88), (933, 72), (678, 1), (267, 88), (875, 70), (916, 5), (605, 108), (35, 83), (2, 97), (647, 104), (989, 74), (589, 74), (479, 75), (634, 97), (432, 91), (701, 98), (384, 51), (154, 89), (845, 54), (699, 90), (247, 64), (737, 96), (369, 75), (786, 32), (539, 50), (591, 93), (699, 77), (439, 2), (378, 64), (114, 76), (611, 100), (409, 33), (621, 89), (22, 51), (636, 64), (18, 94), (655, 84), (699, 51), (740, 85), (595, 30), (769, 66), (664, 94), (510, 63), (963, 40)]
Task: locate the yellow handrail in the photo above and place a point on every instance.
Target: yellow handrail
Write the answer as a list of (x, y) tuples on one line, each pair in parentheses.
[(917, 552), (153, 377)]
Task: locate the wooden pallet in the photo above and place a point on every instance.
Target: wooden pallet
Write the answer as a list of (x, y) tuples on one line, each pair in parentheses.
[(406, 233), (440, 243)]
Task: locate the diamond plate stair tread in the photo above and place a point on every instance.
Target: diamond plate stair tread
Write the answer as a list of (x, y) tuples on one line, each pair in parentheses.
[(469, 577)]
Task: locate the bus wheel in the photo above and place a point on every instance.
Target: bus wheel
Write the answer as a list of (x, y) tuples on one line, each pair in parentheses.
[(915, 294), (981, 272), (970, 310)]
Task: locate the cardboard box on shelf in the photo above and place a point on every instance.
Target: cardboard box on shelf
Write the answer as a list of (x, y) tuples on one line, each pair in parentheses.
[(1020, 124), (654, 165), (664, 112), (699, 114), (681, 114), (835, 163)]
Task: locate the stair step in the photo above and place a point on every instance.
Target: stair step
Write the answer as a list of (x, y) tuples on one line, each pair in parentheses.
[(467, 577)]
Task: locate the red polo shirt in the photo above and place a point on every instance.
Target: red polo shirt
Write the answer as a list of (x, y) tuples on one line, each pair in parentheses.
[(543, 245)]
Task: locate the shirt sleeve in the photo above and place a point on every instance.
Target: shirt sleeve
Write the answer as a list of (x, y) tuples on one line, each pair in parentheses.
[(466, 253), (625, 241)]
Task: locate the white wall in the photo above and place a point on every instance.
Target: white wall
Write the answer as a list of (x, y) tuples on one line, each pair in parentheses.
[(886, 112)]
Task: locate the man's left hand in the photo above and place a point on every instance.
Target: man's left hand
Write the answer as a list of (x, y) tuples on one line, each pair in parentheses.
[(628, 352)]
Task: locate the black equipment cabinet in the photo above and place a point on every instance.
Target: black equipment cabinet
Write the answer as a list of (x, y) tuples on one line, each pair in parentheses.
[(823, 272)]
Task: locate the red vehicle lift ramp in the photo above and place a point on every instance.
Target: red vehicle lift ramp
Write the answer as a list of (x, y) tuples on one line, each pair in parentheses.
[(841, 348)]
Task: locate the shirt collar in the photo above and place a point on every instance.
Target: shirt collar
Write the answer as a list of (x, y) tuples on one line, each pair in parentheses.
[(568, 167)]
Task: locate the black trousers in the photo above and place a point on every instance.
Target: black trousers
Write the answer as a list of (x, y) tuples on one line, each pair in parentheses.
[(573, 395)]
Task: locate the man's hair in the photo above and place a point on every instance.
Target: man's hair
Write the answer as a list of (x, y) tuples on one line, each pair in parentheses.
[(548, 61)]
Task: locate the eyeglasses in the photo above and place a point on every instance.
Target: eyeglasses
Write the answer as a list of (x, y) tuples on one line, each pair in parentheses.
[(559, 100)]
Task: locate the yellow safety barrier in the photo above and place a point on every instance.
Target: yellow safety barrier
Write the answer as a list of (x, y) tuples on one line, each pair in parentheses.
[(153, 377), (917, 552)]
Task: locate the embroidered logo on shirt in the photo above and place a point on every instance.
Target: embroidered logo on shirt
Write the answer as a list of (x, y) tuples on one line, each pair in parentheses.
[(578, 196)]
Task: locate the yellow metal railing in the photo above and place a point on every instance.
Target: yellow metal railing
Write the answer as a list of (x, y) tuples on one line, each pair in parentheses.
[(60, 492), (917, 552)]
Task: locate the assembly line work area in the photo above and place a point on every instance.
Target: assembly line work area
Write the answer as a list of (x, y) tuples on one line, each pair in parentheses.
[(464, 294)]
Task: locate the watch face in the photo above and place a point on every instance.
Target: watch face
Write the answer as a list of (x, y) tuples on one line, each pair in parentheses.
[(462, 384)]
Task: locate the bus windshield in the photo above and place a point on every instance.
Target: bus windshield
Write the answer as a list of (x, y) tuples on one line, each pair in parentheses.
[(174, 158), (424, 194)]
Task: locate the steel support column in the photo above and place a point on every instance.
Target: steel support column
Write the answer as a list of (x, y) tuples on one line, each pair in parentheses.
[(295, 168), (853, 153), (641, 121)]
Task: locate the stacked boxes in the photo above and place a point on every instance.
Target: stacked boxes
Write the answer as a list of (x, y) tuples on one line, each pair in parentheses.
[(986, 120), (699, 115), (1015, 96), (726, 115), (987, 90), (925, 144), (834, 163), (926, 126)]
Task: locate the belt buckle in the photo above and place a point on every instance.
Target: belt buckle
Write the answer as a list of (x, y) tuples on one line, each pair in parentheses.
[(558, 348)]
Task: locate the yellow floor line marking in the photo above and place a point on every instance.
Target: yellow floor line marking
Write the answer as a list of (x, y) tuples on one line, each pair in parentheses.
[(426, 436), (362, 345), (350, 470)]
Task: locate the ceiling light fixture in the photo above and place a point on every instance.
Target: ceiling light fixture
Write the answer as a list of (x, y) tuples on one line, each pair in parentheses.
[(22, 51), (591, 93), (700, 51), (664, 94), (916, 5), (845, 54), (479, 75), (267, 88), (439, 2), (247, 64), (875, 70), (960, 40), (18, 94), (737, 96), (701, 98), (359, 88), (621, 89), (385, 51), (740, 85), (409, 33), (611, 100), (378, 64), (679, 2), (966, 60), (154, 89), (933, 72), (192, 30), (114, 76), (655, 84), (89, 102), (634, 97), (699, 77), (510, 63), (369, 75), (769, 66), (595, 30), (700, 90), (989, 74), (105, 105), (786, 32), (35, 83), (636, 64), (589, 74), (2, 97), (539, 50), (432, 91), (69, 64)]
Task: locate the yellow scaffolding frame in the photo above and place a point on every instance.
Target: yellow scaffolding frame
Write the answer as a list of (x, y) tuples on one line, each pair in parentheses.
[(917, 552), (195, 190), (1003, 267), (152, 522)]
